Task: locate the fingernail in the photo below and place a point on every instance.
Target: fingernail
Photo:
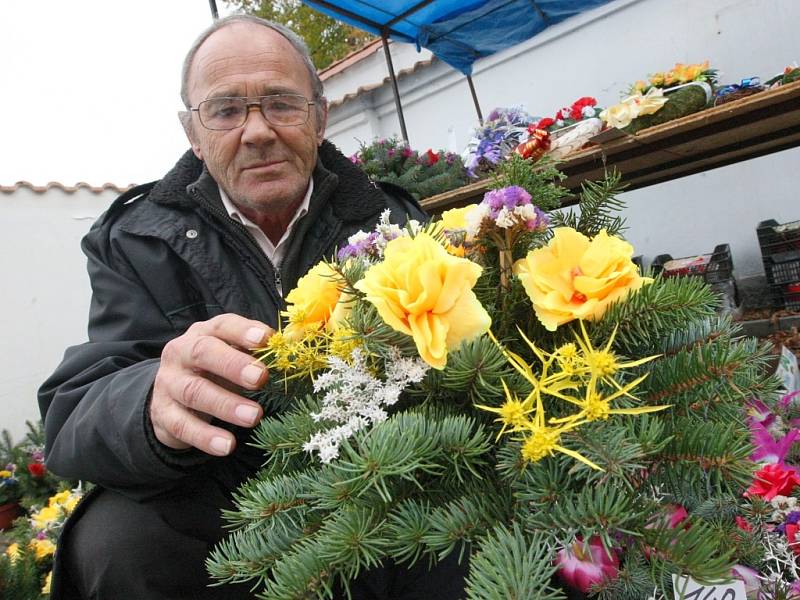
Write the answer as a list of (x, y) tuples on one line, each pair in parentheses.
[(220, 445), (246, 413), (255, 335), (252, 373)]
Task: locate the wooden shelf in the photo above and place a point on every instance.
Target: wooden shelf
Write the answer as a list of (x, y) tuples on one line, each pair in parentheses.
[(754, 126)]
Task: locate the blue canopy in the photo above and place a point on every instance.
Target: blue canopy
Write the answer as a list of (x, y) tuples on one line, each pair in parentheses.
[(459, 32)]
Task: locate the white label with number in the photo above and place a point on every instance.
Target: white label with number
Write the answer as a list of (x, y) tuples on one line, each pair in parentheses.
[(686, 588)]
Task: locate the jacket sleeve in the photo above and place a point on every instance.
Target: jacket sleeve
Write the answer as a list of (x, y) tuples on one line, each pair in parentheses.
[(95, 404)]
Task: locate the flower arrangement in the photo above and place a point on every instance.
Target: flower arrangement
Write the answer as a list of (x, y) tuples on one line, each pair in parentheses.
[(583, 108), (422, 174), (647, 104), (46, 501), (678, 75), (503, 383), (503, 130), (9, 485), (27, 561)]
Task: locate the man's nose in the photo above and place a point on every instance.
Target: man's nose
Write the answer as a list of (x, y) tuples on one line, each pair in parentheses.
[(256, 128)]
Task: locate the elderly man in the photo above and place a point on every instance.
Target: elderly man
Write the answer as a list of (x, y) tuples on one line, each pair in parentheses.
[(187, 273)]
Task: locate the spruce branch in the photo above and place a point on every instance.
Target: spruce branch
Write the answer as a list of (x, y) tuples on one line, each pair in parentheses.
[(693, 550), (592, 510), (655, 312), (597, 208), (510, 565)]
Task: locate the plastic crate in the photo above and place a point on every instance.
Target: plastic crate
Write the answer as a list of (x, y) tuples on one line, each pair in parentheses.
[(787, 296), (716, 267), (783, 267), (774, 237)]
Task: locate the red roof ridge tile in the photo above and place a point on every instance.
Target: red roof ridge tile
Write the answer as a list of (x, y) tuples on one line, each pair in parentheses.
[(68, 189), (374, 86), (354, 57)]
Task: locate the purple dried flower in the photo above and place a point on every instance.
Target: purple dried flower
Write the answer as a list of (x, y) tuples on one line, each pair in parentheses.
[(793, 517), (507, 197)]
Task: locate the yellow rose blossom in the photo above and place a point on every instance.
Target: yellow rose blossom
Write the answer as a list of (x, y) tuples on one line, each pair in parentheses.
[(311, 305), (47, 582), (42, 548), (574, 277), (456, 218), (13, 552), (45, 516), (5, 474), (421, 290)]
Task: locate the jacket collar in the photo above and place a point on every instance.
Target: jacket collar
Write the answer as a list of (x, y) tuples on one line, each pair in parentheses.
[(353, 197)]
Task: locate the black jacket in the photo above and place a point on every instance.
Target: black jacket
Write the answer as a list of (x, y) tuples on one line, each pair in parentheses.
[(164, 256)]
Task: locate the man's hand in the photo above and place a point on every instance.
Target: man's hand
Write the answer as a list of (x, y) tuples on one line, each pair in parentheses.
[(192, 384)]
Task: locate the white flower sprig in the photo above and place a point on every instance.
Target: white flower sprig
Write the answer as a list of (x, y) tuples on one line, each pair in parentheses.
[(355, 399)]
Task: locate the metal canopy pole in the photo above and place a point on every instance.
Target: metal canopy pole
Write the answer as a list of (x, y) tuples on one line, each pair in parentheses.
[(398, 106), (213, 5), (475, 99)]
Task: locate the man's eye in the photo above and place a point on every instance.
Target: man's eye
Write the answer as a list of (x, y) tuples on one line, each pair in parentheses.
[(225, 109)]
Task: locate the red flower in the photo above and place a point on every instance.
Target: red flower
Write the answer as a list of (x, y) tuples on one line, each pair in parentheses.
[(742, 524), (560, 115), (433, 157), (576, 110), (791, 537), (37, 469), (582, 566), (543, 124), (773, 480)]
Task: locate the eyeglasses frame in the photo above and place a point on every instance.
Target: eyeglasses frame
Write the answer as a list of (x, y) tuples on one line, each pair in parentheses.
[(251, 102)]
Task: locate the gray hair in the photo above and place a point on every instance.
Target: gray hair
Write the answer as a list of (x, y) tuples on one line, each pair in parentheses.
[(295, 40)]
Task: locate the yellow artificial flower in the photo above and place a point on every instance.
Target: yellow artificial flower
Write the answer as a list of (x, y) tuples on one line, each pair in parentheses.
[(42, 548), (512, 414), (312, 304), (47, 582), (456, 218), (13, 552), (619, 115), (421, 290), (71, 502), (5, 474), (649, 103), (45, 516), (574, 277), (59, 498)]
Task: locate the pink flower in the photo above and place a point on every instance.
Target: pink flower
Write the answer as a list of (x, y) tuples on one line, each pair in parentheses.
[(773, 480), (752, 582), (582, 566), (768, 449)]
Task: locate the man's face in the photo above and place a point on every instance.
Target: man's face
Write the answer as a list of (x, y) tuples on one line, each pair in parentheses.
[(261, 167)]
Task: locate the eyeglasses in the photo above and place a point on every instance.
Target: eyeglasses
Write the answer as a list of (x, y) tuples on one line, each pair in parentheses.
[(281, 110)]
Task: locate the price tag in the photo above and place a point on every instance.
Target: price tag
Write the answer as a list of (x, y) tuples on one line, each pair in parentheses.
[(686, 588)]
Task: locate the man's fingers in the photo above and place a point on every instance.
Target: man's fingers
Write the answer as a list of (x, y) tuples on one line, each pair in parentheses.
[(234, 329), (204, 396), (179, 423), (215, 356)]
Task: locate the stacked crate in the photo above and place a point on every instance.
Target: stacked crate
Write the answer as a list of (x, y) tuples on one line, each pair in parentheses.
[(780, 251), (715, 268)]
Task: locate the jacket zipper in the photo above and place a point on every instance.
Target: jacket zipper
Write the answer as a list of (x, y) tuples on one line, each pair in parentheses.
[(245, 236)]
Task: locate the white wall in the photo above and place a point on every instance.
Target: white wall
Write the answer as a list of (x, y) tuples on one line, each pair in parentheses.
[(600, 53), (46, 291)]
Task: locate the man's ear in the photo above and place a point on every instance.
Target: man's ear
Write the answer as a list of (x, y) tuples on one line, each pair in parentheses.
[(322, 119), (185, 117)]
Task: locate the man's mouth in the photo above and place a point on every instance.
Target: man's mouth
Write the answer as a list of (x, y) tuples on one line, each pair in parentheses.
[(263, 166)]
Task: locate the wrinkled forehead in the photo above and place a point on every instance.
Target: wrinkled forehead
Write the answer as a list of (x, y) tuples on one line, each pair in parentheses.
[(247, 53)]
